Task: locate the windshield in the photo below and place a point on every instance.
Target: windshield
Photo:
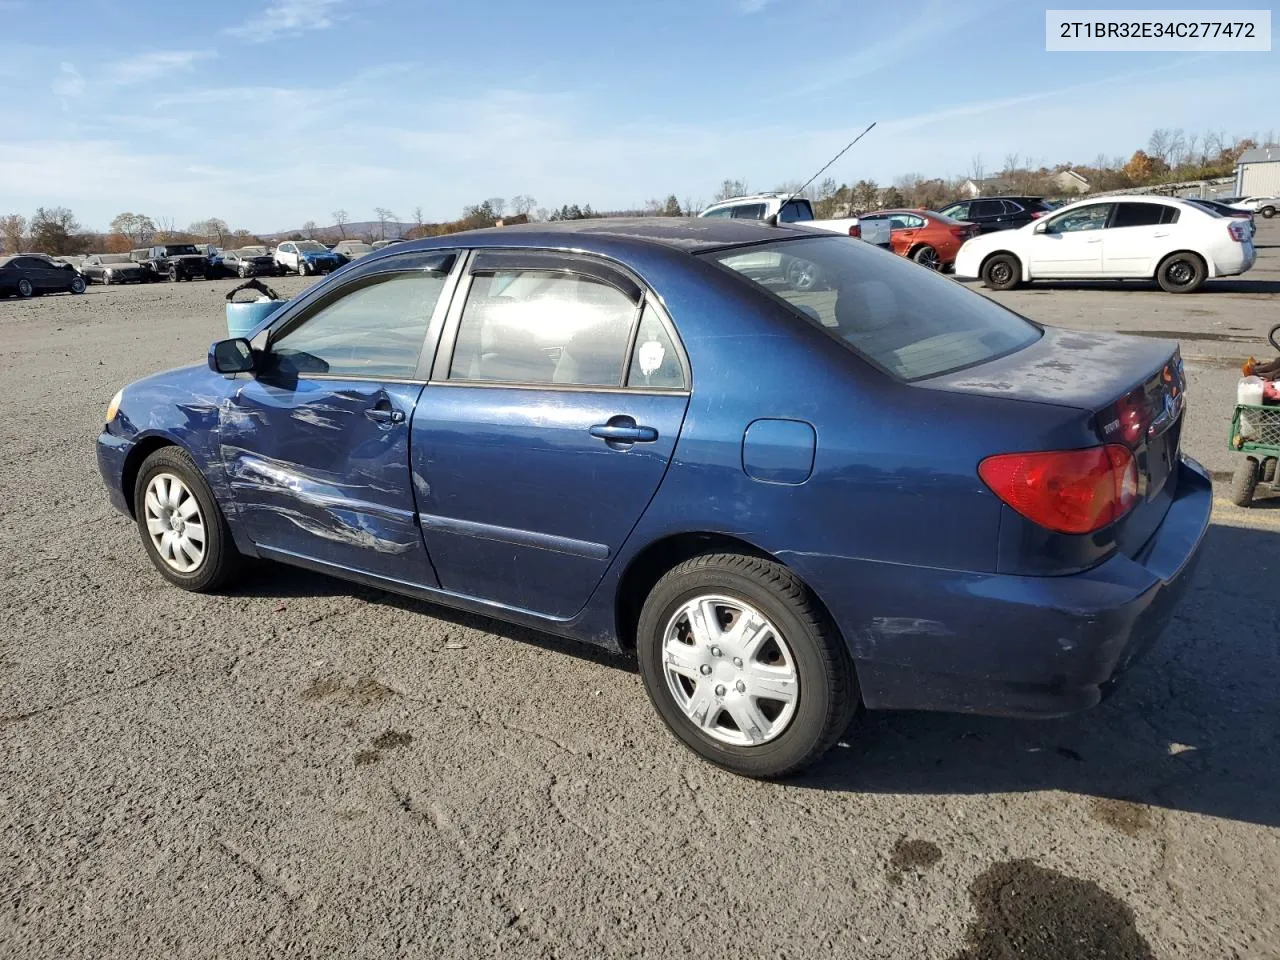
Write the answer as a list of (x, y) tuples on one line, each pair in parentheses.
[(252, 252), (909, 321), (356, 248), (180, 249), (312, 246), (115, 258)]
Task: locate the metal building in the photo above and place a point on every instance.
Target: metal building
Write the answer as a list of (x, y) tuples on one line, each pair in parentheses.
[(1258, 173)]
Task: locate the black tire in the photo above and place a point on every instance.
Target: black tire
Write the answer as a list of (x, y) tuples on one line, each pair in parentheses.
[(1244, 481), (25, 289), (77, 285), (244, 274), (1268, 211), (173, 274), (927, 256), (106, 279), (1181, 272), (827, 690), (1001, 271), (1269, 470), (222, 562)]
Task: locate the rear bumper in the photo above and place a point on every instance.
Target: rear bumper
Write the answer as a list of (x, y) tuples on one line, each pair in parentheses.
[(1025, 646)]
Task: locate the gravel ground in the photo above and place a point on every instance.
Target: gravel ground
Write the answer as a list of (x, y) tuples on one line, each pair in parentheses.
[(309, 768)]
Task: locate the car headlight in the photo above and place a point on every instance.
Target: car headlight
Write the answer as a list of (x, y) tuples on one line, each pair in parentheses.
[(114, 406)]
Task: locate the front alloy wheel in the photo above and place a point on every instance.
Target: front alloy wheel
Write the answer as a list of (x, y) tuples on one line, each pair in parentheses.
[(175, 523), (25, 289)]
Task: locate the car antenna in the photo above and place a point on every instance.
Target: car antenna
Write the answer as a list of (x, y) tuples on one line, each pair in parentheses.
[(772, 219)]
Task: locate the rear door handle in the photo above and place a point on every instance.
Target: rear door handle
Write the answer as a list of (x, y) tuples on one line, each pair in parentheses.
[(624, 430), (384, 415)]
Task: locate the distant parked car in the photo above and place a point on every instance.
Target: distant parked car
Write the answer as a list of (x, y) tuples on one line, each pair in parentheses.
[(108, 268), (925, 236), (305, 257), (175, 261), (1267, 206), (250, 262), (353, 249), (31, 274), (998, 213), (1226, 210), (1176, 243), (790, 209)]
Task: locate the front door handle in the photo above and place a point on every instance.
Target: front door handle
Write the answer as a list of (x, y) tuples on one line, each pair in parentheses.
[(384, 415), (623, 430)]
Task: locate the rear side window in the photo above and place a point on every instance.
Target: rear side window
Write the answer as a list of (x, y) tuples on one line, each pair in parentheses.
[(909, 322), (723, 213), (957, 211), (795, 211), (539, 327), (1143, 215), (654, 360), (986, 208), (749, 211), (374, 331)]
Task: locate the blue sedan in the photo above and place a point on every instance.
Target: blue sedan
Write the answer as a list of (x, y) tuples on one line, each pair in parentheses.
[(880, 490)]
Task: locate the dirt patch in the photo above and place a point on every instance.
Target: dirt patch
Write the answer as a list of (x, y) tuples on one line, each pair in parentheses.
[(363, 692), (392, 739), (1029, 911), (915, 856), (365, 757), (1123, 815)]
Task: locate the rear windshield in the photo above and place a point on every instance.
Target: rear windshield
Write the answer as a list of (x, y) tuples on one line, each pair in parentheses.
[(907, 320)]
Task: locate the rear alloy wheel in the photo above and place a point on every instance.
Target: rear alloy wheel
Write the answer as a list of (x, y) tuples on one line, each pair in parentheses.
[(183, 530), (1244, 481), (743, 665), (926, 256), (25, 289), (1002, 271), (77, 284), (1181, 273), (1268, 212), (803, 275), (173, 274)]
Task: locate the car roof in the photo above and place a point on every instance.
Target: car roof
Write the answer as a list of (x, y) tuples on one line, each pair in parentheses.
[(610, 236)]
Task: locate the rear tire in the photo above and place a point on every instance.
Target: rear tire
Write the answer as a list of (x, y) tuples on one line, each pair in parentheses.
[(770, 636), (219, 561), (1244, 481), (173, 274), (77, 285), (926, 256), (25, 289), (1181, 272), (1001, 271), (1268, 212)]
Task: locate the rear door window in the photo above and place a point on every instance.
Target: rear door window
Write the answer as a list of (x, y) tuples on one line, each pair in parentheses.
[(985, 208), (749, 211), (908, 322), (1139, 214), (795, 211)]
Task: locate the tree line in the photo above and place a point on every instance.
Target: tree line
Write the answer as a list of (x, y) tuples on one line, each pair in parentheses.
[(1170, 155)]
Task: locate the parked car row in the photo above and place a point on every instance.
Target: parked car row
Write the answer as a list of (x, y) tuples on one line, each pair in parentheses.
[(33, 274)]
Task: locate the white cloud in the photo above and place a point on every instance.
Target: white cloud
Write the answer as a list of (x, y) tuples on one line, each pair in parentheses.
[(148, 66), (284, 17), (70, 83)]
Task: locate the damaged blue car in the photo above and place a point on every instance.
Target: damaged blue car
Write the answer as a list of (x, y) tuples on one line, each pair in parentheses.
[(878, 490)]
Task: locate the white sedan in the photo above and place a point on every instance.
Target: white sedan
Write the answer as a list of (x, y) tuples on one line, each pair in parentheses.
[(1267, 206), (1176, 243)]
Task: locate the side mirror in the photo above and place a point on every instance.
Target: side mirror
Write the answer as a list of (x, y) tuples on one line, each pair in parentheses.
[(1042, 226), (231, 356)]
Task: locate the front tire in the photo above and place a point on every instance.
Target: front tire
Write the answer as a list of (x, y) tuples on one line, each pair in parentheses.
[(302, 268), (1244, 481), (77, 285), (173, 274), (182, 528), (25, 289), (1003, 271), (244, 274), (743, 665), (1181, 273)]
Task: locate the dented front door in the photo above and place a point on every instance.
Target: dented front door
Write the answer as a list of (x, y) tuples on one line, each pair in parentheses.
[(319, 468)]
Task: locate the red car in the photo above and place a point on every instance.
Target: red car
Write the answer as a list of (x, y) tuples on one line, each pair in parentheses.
[(927, 237)]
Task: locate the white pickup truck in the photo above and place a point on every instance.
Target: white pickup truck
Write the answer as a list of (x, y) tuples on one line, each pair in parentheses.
[(796, 210)]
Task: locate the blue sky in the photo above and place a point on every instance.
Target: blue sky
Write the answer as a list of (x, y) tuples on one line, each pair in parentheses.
[(269, 113)]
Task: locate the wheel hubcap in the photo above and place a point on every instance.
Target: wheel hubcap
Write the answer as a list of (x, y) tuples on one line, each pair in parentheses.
[(730, 671), (174, 522), (1000, 273), (930, 259)]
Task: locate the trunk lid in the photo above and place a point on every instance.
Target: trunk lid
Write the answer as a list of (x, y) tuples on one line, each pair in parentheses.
[(1129, 391)]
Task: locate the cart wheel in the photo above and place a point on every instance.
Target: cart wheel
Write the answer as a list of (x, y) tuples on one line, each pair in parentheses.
[(1269, 470), (1243, 482)]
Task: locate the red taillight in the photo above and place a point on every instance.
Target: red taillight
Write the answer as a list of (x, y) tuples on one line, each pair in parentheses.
[(855, 231), (1070, 491), (1239, 232), (1037, 214)]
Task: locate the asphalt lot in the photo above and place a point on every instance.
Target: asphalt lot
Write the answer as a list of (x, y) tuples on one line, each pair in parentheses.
[(308, 768)]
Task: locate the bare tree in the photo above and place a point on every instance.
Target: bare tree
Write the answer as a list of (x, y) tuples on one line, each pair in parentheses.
[(12, 226), (542, 213), (976, 170), (1158, 145), (341, 219), (730, 188), (384, 216), (1177, 147), (418, 219), (498, 205), (138, 228), (1010, 163), (522, 203), (309, 229), (166, 229), (54, 230)]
